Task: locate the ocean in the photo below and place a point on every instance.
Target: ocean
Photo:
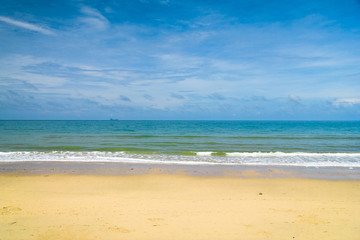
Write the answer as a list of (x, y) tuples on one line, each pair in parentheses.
[(277, 143)]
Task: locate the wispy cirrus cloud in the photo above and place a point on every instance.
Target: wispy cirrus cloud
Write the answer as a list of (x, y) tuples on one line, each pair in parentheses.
[(94, 18), (27, 26)]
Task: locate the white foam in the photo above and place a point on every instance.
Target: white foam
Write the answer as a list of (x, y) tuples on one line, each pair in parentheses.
[(204, 153), (235, 158), (292, 154)]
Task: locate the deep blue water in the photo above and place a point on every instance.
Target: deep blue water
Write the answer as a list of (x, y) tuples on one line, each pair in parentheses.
[(197, 141)]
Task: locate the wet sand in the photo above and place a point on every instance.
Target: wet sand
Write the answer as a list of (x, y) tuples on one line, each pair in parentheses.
[(210, 170), (169, 203)]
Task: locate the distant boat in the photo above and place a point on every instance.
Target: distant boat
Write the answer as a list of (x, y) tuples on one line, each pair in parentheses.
[(114, 119)]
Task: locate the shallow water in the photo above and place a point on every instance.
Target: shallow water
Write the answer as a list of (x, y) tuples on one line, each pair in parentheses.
[(297, 143)]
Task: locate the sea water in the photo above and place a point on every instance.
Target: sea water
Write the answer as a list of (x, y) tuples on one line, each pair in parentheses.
[(292, 143)]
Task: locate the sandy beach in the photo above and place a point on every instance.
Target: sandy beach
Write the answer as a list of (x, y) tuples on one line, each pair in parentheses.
[(176, 206)]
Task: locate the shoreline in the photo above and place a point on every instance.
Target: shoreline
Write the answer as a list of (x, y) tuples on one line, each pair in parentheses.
[(209, 170), (258, 159)]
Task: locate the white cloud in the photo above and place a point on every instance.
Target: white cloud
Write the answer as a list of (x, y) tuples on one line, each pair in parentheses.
[(13, 67), (94, 18), (26, 25), (346, 102), (92, 12), (294, 99)]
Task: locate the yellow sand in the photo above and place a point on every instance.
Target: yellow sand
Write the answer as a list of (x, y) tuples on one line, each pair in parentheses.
[(177, 207)]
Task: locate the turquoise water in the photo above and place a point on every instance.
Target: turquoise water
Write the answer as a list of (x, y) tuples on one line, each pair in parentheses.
[(333, 143)]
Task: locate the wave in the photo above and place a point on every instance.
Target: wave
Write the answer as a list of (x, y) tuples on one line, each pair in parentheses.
[(306, 159)]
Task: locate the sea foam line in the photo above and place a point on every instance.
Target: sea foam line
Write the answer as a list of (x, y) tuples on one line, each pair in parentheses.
[(235, 158), (230, 154), (292, 154)]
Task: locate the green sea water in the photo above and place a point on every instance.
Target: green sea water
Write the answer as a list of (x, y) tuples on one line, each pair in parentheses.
[(237, 142)]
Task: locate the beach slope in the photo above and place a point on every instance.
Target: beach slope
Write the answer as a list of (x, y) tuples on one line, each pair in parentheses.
[(154, 206)]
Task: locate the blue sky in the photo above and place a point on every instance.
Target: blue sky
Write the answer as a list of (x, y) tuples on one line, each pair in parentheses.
[(178, 59)]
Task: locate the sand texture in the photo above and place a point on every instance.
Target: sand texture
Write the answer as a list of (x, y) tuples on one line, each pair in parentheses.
[(177, 207)]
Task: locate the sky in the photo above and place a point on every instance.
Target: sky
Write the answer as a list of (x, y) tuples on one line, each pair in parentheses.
[(179, 59)]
